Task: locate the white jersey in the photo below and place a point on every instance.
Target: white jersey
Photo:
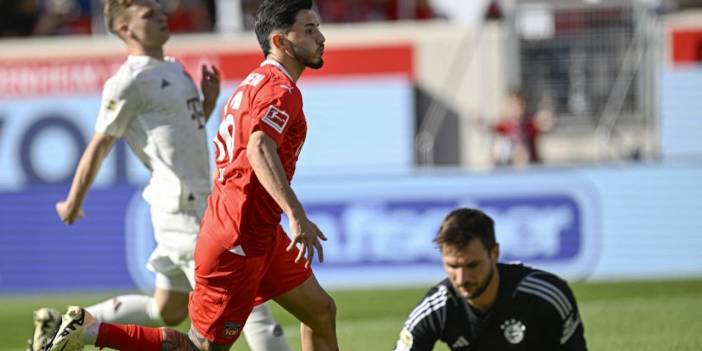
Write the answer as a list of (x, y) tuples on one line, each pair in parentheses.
[(156, 107)]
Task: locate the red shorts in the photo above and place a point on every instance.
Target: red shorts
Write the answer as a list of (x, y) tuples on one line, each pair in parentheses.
[(228, 286)]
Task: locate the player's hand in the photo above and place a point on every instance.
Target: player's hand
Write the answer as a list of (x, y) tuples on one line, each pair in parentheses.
[(68, 212), (307, 234), (210, 84)]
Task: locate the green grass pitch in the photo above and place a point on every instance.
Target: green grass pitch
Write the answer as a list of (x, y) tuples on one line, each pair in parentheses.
[(637, 316)]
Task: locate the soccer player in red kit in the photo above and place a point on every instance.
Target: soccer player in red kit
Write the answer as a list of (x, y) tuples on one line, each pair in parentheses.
[(243, 257)]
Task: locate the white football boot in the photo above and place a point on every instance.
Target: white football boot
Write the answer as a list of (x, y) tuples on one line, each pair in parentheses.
[(46, 323), (69, 336)]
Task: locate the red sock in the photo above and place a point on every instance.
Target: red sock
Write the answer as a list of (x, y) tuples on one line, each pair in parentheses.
[(129, 337)]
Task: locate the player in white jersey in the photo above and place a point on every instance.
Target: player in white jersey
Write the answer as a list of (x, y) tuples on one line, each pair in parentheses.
[(155, 106)]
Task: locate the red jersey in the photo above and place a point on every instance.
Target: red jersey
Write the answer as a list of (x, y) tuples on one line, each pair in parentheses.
[(523, 131), (240, 211)]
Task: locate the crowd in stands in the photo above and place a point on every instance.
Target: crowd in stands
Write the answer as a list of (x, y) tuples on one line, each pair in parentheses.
[(44, 17), (373, 10), (57, 17)]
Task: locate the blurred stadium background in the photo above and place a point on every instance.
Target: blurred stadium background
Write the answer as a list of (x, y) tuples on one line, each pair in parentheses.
[(404, 125)]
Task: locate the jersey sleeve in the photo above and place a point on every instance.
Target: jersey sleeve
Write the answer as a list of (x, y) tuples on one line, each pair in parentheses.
[(563, 328), (275, 110), (121, 102), (424, 325), (572, 336)]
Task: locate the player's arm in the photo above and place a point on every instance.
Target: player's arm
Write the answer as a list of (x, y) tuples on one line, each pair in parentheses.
[(424, 324), (416, 340), (70, 209), (572, 332), (210, 86), (565, 328), (263, 157), (121, 101), (557, 308)]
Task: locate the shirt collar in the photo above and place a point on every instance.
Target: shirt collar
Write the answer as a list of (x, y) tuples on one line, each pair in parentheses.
[(141, 59), (280, 67)]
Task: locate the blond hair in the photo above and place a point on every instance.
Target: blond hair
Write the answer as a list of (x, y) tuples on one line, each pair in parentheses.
[(113, 10)]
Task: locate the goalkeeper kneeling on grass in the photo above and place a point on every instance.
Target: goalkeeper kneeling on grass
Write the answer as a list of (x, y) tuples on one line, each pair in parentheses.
[(485, 305)]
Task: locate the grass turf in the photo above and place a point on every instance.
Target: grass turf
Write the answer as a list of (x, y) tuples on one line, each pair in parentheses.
[(634, 316)]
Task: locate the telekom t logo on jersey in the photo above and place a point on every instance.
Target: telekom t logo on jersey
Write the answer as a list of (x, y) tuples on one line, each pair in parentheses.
[(196, 113)]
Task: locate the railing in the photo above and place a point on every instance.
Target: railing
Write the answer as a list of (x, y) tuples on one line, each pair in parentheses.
[(595, 68), (634, 64), (433, 119)]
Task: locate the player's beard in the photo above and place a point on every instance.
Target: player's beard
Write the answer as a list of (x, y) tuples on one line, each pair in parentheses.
[(481, 289), (307, 59)]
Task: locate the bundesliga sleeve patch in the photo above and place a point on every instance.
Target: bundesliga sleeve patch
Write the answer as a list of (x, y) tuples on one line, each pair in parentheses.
[(276, 118)]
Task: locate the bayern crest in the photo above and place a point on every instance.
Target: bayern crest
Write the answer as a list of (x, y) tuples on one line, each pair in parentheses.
[(514, 330)]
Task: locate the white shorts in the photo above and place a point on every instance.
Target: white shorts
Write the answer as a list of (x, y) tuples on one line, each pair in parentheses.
[(172, 260)]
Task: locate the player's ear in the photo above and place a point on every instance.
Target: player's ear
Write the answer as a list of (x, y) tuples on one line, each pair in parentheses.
[(278, 41), (122, 29), (495, 254)]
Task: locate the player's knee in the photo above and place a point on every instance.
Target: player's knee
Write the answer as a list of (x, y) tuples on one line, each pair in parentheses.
[(330, 309), (173, 316), (326, 313)]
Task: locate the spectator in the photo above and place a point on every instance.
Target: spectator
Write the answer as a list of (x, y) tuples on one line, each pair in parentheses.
[(352, 10), (516, 135), (376, 10), (17, 17), (64, 17), (188, 15), (422, 10), (372, 10)]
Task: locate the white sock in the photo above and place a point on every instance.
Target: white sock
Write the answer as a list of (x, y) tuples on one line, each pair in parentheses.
[(263, 333), (128, 309), (91, 333)]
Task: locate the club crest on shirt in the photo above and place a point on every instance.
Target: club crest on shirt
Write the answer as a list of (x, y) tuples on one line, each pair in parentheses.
[(276, 118), (231, 330), (514, 330)]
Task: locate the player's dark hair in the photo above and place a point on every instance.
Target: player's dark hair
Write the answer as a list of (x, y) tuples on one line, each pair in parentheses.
[(276, 15), (463, 225)]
